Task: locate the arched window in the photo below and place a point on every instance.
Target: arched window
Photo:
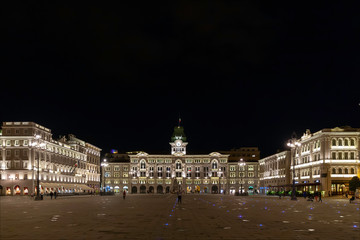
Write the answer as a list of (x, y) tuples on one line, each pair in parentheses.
[(333, 171), (352, 142), (352, 171), (340, 142), (142, 165), (178, 165), (333, 155), (340, 171), (346, 171), (333, 142), (214, 165), (346, 142)]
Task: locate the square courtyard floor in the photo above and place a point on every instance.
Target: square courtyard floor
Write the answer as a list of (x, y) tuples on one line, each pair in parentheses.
[(162, 217)]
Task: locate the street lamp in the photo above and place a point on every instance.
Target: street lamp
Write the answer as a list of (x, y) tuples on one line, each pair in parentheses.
[(293, 144), (241, 165), (219, 174), (38, 145), (103, 164)]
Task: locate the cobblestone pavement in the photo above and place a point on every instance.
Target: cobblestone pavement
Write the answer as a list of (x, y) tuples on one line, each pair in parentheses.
[(161, 217)]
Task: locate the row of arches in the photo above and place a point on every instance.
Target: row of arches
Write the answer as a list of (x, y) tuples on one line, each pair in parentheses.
[(160, 190), (178, 164), (343, 142), (342, 171)]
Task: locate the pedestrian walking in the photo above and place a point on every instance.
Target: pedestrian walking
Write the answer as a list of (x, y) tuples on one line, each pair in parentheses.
[(179, 196), (320, 197), (51, 195), (55, 194), (124, 194), (316, 196)]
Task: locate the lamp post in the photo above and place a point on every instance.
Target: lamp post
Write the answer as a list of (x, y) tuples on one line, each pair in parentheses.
[(38, 145), (219, 174), (103, 164), (241, 165), (293, 144)]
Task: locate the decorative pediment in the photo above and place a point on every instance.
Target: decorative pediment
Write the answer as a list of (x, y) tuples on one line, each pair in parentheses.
[(215, 154), (142, 154)]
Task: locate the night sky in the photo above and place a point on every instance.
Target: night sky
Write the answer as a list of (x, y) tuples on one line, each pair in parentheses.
[(238, 73)]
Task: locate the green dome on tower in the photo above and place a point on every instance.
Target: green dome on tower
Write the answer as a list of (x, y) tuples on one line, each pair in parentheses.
[(178, 134)]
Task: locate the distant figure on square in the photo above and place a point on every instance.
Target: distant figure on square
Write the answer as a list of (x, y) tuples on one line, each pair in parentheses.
[(124, 194), (55, 194), (179, 196), (51, 195)]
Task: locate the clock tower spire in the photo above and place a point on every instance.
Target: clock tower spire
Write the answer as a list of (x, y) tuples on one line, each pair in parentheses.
[(178, 140)]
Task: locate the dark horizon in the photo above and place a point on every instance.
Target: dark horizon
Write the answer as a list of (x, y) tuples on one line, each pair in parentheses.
[(240, 74)]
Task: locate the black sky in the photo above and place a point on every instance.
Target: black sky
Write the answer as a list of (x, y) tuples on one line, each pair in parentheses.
[(239, 73)]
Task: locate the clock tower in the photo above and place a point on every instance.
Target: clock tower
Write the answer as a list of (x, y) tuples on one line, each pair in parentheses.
[(178, 141)]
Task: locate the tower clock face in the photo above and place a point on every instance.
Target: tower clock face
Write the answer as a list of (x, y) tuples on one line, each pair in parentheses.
[(178, 143)]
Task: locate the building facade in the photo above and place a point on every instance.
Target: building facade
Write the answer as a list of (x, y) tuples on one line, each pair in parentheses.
[(28, 154), (275, 172), (325, 161), (192, 173)]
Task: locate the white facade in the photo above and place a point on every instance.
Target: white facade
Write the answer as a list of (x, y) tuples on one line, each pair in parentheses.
[(28, 153)]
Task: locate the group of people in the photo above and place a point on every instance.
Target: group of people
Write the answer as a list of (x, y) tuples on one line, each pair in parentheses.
[(53, 194), (311, 197)]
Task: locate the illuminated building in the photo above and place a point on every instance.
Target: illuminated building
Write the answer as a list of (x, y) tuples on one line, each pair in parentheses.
[(155, 173), (325, 161), (275, 172), (28, 153)]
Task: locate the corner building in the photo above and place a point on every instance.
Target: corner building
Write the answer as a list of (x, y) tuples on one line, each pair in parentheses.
[(28, 153)]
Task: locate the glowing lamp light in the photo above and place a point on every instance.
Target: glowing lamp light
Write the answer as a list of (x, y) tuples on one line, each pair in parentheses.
[(114, 151)]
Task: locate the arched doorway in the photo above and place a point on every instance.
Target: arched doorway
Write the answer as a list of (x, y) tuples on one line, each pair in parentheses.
[(17, 190), (142, 189), (151, 189), (134, 189), (159, 189), (214, 189), (167, 189), (205, 189), (232, 191)]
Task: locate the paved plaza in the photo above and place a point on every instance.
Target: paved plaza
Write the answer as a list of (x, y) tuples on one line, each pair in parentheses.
[(161, 217)]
